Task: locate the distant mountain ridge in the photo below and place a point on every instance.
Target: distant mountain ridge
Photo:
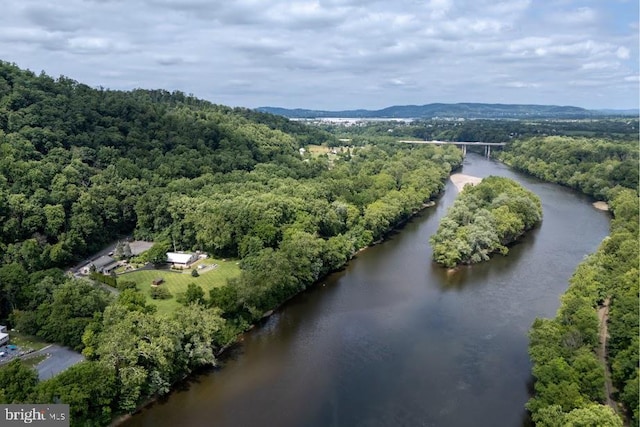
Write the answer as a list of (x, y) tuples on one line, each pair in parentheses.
[(460, 110)]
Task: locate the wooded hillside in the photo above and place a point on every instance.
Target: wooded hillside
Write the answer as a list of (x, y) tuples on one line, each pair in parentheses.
[(81, 166)]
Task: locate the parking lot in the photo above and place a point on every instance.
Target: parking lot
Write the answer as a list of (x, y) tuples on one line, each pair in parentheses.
[(10, 352), (58, 358)]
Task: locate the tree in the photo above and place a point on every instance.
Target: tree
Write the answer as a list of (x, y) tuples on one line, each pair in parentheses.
[(199, 336), (157, 254), (226, 299), (141, 348), (17, 382), (194, 273), (14, 280), (89, 388), (72, 309), (592, 416), (134, 300), (160, 292), (194, 294), (126, 250), (119, 252)]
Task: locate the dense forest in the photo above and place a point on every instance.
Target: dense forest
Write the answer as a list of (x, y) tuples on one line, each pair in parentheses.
[(591, 165), (80, 167), (570, 377), (484, 219)]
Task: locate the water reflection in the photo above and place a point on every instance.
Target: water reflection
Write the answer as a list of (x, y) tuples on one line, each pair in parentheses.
[(456, 279)]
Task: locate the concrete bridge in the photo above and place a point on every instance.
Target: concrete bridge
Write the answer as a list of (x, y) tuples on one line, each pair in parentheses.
[(463, 145)]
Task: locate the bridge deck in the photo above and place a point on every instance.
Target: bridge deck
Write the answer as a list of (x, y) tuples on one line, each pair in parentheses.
[(501, 144)]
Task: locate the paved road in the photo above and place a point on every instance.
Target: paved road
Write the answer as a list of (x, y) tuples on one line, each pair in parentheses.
[(60, 359)]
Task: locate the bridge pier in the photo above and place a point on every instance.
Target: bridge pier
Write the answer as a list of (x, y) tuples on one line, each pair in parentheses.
[(463, 145)]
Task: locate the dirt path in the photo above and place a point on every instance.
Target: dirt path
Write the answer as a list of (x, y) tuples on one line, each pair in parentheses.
[(603, 317)]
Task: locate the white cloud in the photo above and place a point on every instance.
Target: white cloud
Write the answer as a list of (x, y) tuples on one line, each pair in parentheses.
[(522, 84), (335, 53), (508, 7), (585, 83), (623, 52), (579, 16), (96, 45), (601, 65), (439, 8)]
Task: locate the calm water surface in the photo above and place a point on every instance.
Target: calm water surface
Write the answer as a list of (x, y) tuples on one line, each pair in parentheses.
[(392, 340)]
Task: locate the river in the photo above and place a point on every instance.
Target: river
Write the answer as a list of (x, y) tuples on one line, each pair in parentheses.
[(393, 340)]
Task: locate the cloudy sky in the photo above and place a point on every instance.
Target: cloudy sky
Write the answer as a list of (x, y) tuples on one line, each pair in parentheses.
[(337, 54)]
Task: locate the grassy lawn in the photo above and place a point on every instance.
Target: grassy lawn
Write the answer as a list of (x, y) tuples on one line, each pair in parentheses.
[(32, 362), (26, 342), (318, 150), (177, 282)]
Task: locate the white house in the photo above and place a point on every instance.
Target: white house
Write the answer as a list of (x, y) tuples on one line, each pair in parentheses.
[(4, 336), (181, 259)]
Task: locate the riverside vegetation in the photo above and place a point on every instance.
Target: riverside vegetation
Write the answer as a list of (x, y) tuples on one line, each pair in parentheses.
[(570, 377), (484, 219), (80, 166)]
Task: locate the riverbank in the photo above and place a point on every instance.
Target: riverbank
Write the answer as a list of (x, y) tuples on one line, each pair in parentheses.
[(223, 352)]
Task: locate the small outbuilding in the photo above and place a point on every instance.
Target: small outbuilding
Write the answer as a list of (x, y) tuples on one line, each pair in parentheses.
[(157, 282)]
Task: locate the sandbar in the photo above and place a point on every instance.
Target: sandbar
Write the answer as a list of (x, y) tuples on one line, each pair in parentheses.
[(603, 206), (460, 180)]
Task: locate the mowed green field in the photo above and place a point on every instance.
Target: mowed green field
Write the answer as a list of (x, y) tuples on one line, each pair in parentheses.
[(177, 282)]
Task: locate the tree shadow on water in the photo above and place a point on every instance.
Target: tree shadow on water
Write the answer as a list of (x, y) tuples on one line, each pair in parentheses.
[(459, 278)]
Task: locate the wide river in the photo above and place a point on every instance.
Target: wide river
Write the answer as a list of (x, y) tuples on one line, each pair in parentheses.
[(393, 340)]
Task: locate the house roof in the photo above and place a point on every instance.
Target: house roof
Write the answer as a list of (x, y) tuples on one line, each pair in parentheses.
[(103, 261), (179, 258)]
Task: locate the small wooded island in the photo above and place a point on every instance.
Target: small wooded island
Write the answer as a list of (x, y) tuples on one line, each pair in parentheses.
[(483, 220)]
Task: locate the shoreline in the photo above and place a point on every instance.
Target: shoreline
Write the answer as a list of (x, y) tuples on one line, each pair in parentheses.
[(121, 418)]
